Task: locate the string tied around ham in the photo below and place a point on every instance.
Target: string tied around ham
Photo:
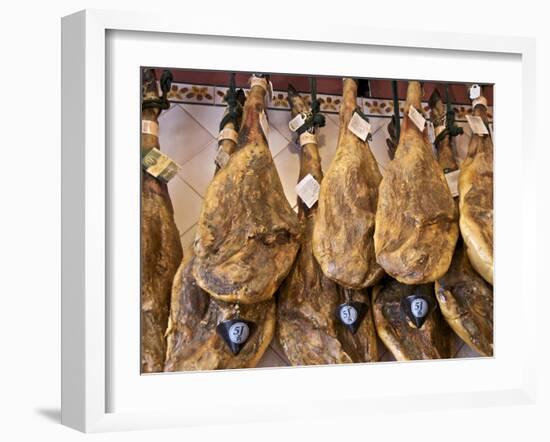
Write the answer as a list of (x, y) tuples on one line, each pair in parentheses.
[(315, 119)]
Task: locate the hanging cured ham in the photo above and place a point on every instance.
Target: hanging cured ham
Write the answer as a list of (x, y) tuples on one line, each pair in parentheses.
[(247, 235), (193, 342), (465, 299), (409, 322), (475, 187), (416, 219), (161, 250), (307, 324), (406, 316), (343, 233)]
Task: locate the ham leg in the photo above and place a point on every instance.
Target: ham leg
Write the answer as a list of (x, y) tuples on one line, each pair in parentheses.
[(247, 235), (161, 250)]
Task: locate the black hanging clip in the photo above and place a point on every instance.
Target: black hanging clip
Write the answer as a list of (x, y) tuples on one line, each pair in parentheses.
[(235, 102), (315, 118), (149, 83), (451, 129)]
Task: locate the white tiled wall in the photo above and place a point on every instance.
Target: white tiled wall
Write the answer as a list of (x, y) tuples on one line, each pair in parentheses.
[(188, 135)]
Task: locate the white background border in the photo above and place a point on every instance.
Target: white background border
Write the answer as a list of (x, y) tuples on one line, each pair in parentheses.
[(516, 192)]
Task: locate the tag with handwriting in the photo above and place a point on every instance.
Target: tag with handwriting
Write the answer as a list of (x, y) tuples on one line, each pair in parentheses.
[(477, 125), (417, 118), (222, 157), (452, 182), (308, 190), (359, 127), (297, 122), (159, 165)]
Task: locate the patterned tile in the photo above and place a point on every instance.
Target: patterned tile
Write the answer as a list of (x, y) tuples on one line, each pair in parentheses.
[(379, 147), (461, 142), (287, 163), (279, 100), (275, 140), (279, 120), (208, 117), (180, 136), (328, 142), (376, 123), (380, 107), (330, 103), (335, 118), (187, 204), (190, 93), (199, 170)]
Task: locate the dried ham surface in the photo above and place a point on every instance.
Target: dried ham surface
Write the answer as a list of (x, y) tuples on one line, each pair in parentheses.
[(343, 234), (247, 235), (416, 219), (475, 188), (466, 301), (307, 327), (399, 334), (192, 340), (161, 250), (194, 344)]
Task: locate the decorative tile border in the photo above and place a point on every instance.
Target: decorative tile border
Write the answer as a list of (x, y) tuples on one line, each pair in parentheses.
[(190, 93), (373, 107)]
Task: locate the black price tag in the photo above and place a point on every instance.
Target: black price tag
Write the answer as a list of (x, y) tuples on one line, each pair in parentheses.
[(351, 314), (417, 307), (235, 333)]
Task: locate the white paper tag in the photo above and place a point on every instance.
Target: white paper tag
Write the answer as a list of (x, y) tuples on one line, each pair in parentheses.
[(228, 134), (477, 125), (475, 91), (149, 127), (359, 127), (452, 182), (307, 138), (431, 131), (264, 124), (417, 118), (159, 165), (222, 157), (308, 190), (297, 122)]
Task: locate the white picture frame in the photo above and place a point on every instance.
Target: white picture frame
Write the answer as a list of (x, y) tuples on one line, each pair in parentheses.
[(89, 321)]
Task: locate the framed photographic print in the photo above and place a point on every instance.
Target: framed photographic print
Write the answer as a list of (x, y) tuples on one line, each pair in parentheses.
[(289, 223)]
